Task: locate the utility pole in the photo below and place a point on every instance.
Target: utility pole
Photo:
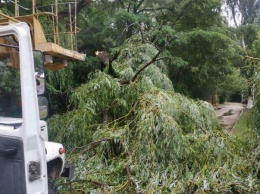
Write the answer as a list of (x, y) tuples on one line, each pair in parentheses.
[(16, 8), (33, 7)]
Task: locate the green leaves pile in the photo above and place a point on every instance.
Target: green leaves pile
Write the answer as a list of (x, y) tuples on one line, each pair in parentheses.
[(134, 125), (145, 138)]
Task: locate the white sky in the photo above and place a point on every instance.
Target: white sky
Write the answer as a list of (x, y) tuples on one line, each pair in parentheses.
[(226, 12)]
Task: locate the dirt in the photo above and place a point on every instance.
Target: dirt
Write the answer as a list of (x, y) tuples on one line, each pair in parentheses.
[(228, 113)]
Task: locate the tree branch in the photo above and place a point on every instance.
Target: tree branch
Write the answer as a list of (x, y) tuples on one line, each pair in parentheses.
[(125, 29), (202, 128), (95, 183), (114, 57), (121, 3), (154, 59), (80, 5), (182, 12), (151, 9), (179, 16), (146, 65), (253, 58), (139, 4), (128, 8), (90, 145), (111, 70)]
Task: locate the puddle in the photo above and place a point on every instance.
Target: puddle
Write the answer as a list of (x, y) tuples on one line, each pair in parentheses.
[(229, 113)]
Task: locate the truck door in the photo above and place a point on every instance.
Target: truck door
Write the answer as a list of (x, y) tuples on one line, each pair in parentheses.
[(22, 151)]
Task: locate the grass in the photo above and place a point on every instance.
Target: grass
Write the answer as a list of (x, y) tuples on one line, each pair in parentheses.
[(243, 128)]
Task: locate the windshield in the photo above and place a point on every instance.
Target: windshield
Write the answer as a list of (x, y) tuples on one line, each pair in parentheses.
[(10, 91)]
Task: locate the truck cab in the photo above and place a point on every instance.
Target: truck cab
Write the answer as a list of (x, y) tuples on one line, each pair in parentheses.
[(27, 158)]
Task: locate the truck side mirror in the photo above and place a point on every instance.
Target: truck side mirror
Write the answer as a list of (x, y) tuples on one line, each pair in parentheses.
[(43, 107), (39, 71)]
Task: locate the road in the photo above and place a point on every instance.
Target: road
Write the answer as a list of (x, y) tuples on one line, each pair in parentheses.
[(228, 113)]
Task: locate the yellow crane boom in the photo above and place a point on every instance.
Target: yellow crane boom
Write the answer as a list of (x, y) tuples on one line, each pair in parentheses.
[(56, 56)]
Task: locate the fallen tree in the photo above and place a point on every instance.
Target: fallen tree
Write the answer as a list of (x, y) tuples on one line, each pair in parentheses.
[(143, 137)]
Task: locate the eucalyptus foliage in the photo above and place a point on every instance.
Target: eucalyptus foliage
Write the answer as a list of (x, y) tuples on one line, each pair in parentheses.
[(143, 137)]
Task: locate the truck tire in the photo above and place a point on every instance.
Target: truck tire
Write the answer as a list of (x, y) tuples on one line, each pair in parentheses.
[(51, 188)]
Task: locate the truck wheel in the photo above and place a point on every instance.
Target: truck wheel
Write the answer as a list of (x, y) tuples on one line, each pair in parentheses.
[(51, 188)]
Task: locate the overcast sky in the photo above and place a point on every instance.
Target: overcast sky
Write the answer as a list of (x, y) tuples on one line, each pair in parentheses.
[(227, 13)]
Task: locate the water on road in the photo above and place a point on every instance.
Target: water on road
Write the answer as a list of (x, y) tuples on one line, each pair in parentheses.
[(228, 113)]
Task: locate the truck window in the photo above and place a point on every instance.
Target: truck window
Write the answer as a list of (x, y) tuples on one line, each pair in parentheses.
[(10, 91), (39, 71)]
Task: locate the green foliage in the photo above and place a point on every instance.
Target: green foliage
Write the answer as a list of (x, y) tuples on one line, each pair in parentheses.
[(252, 70), (189, 32), (201, 14), (163, 143), (61, 83), (249, 33), (143, 137), (256, 110), (209, 55), (102, 92), (234, 83), (10, 90), (10, 80)]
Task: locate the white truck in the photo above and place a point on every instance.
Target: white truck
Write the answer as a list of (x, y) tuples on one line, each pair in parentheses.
[(27, 158)]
